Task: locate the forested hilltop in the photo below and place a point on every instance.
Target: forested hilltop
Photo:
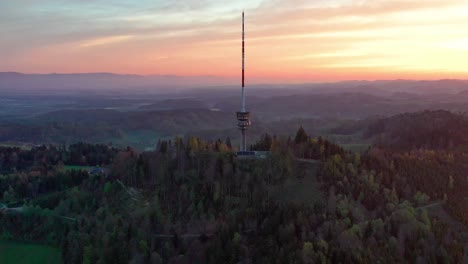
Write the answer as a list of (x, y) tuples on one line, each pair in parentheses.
[(193, 201)]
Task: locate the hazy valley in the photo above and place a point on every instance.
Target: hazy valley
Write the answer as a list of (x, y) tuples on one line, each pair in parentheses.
[(357, 171), (140, 114)]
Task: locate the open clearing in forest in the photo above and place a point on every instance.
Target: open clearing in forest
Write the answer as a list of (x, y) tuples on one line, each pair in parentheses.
[(303, 190), (23, 146), (76, 167), (23, 253), (357, 148)]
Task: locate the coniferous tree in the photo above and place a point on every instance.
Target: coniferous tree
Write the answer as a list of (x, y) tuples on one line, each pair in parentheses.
[(301, 136)]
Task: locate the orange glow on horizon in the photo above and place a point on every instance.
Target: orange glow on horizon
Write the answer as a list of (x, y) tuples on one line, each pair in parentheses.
[(342, 40)]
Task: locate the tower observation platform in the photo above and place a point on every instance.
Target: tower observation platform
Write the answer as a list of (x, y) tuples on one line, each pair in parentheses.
[(243, 122)]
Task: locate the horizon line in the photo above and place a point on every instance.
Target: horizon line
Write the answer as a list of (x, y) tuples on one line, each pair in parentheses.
[(231, 77)]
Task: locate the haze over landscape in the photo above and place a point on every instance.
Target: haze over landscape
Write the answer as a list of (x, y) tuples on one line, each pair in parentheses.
[(120, 142)]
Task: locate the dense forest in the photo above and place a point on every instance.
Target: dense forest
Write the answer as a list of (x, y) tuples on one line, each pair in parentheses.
[(193, 201), (427, 129)]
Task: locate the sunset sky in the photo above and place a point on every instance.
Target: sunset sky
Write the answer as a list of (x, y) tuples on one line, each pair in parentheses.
[(286, 40)]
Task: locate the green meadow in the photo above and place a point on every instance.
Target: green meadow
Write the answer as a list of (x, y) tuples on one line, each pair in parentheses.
[(75, 167), (24, 253), (357, 148)]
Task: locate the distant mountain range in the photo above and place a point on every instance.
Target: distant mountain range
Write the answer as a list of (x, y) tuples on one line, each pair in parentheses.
[(14, 82)]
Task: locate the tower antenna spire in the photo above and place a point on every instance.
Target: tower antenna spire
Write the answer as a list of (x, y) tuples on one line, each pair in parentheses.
[(243, 63), (243, 117)]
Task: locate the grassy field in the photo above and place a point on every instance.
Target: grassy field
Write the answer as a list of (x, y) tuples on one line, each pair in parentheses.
[(19, 253), (138, 139), (75, 167), (23, 146), (357, 148)]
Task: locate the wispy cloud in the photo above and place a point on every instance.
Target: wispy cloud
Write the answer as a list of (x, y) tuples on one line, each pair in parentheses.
[(284, 37), (105, 41)]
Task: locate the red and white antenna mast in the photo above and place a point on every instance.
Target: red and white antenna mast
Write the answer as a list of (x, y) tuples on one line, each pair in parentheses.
[(243, 64), (243, 117)]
